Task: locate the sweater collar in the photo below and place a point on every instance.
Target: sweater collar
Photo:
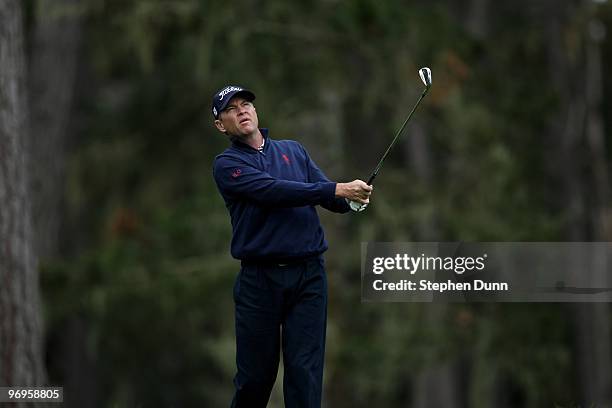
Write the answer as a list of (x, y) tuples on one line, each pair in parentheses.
[(238, 144)]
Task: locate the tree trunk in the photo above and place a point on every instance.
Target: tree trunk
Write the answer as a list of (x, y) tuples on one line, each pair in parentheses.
[(477, 19), (592, 320), (442, 383), (595, 135), (52, 74), (21, 361), (417, 154), (53, 71), (580, 123)]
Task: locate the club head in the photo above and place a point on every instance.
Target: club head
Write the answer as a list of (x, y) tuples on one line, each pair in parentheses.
[(425, 74)]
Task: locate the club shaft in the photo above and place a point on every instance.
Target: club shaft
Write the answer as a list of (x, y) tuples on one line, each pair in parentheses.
[(399, 132)]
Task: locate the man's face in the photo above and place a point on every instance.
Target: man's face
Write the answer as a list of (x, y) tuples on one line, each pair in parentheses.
[(239, 118)]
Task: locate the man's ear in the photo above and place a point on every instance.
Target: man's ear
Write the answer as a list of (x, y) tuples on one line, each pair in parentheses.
[(219, 125)]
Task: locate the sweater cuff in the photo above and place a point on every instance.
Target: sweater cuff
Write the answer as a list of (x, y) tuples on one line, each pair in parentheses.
[(328, 192)]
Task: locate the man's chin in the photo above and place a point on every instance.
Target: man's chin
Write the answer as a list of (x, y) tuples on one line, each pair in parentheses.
[(248, 128), (244, 133)]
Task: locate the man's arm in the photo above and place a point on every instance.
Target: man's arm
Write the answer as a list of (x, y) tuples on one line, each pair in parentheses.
[(356, 190), (237, 179)]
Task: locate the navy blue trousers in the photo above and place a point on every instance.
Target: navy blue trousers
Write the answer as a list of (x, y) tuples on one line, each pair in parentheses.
[(277, 305)]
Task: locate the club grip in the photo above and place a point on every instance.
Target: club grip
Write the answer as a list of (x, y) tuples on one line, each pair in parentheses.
[(371, 179)]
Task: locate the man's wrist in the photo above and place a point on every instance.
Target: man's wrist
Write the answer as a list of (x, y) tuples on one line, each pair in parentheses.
[(328, 191), (340, 190)]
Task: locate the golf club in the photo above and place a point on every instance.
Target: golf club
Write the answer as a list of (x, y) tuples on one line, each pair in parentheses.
[(425, 74)]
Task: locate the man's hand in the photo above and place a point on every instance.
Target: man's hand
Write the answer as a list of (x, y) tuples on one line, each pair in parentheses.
[(356, 190)]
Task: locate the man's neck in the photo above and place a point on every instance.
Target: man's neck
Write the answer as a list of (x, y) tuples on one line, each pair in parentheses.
[(255, 139)]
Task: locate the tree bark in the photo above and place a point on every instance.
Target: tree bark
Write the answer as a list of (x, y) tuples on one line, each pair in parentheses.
[(21, 361), (55, 65), (592, 320), (52, 76), (579, 123)]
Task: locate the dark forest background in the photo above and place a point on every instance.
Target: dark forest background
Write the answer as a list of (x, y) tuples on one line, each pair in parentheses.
[(115, 273)]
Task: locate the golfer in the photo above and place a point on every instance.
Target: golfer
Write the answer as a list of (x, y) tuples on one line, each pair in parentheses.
[(271, 188)]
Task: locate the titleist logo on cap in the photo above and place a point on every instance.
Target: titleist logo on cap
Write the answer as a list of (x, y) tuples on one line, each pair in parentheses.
[(228, 90), (220, 101)]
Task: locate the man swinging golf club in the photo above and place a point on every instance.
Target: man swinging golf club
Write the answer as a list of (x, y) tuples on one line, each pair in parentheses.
[(271, 188)]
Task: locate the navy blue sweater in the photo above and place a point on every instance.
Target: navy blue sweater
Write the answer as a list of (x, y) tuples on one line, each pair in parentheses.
[(271, 197)]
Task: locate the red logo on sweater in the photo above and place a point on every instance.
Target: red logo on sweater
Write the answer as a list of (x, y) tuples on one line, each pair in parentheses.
[(286, 159), (236, 173)]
